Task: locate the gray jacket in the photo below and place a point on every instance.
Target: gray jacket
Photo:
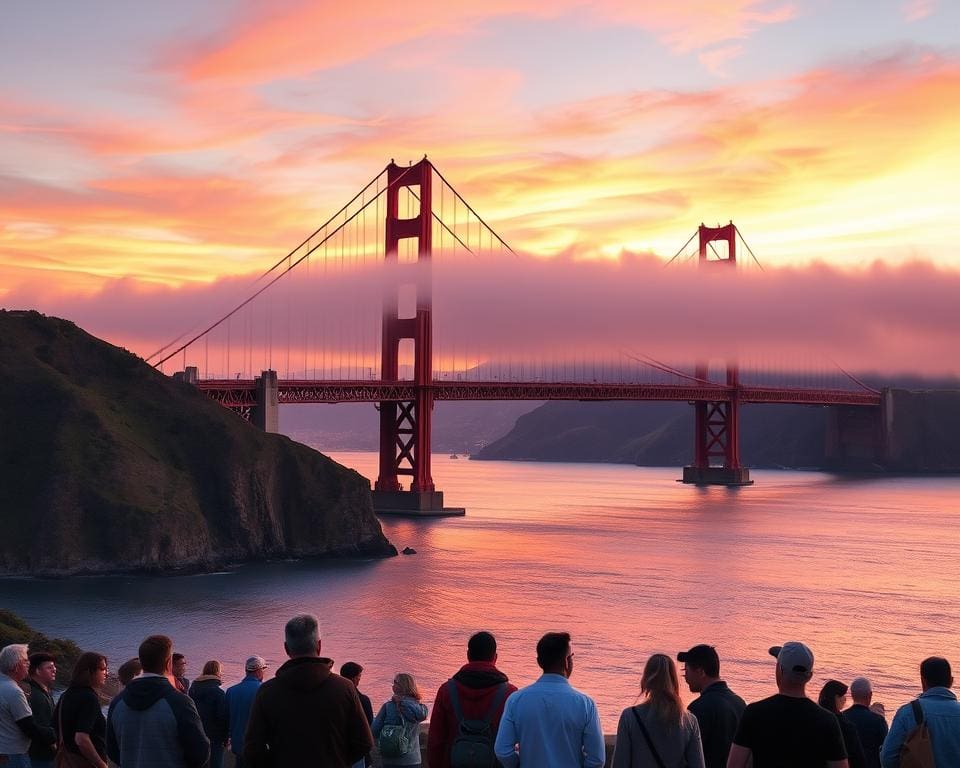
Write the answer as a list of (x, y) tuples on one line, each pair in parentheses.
[(152, 725)]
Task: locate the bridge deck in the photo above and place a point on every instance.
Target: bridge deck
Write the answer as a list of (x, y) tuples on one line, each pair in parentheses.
[(242, 392)]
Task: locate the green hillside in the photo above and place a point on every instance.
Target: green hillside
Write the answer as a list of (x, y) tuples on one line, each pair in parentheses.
[(107, 464)]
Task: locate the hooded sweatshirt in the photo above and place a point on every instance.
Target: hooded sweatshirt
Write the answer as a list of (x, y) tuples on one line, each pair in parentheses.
[(152, 725), (306, 715), (477, 684)]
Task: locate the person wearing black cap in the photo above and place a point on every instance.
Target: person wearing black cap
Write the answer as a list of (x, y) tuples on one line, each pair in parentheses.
[(833, 696), (788, 730), (717, 709)]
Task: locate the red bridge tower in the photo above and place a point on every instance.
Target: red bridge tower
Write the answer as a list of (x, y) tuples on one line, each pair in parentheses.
[(405, 425), (717, 423)]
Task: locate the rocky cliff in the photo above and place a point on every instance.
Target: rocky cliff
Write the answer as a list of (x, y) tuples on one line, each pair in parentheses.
[(108, 465)]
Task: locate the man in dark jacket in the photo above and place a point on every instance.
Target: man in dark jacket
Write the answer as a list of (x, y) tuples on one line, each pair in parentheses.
[(151, 724), (353, 672), (306, 715), (718, 709), (43, 673), (871, 727), (482, 691)]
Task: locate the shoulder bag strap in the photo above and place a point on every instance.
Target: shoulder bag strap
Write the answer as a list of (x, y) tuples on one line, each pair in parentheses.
[(646, 735), (917, 711), (403, 719)]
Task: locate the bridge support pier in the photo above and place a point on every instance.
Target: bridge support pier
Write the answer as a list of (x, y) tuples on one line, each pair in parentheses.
[(717, 436), (266, 413)]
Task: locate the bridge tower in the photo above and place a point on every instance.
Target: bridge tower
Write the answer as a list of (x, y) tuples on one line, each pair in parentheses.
[(717, 423), (405, 426)]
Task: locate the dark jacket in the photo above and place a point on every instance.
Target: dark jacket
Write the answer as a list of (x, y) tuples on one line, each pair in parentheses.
[(306, 715), (872, 729), (211, 704), (477, 683), (152, 725), (41, 702), (851, 740), (718, 711)]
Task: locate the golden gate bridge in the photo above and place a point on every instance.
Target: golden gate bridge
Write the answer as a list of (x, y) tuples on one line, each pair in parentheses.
[(343, 336)]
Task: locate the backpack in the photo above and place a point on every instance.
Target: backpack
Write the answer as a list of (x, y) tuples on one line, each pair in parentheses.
[(473, 745), (917, 749), (394, 740)]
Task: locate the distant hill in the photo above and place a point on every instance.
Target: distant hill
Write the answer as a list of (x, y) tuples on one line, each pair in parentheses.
[(926, 431), (657, 434), (108, 465)]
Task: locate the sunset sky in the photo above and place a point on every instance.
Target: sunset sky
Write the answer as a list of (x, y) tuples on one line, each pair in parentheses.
[(153, 149)]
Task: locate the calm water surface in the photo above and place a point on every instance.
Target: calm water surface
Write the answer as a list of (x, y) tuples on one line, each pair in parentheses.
[(626, 559)]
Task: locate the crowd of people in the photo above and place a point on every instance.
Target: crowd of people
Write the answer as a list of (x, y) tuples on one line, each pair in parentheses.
[(306, 715)]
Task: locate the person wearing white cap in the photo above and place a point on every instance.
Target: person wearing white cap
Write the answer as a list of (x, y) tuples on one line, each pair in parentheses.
[(240, 700), (788, 730)]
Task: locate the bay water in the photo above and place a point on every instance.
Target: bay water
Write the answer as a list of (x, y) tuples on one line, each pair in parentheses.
[(630, 562)]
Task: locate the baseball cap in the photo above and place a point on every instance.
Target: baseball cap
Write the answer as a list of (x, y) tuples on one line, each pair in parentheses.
[(795, 658), (254, 663), (703, 656)]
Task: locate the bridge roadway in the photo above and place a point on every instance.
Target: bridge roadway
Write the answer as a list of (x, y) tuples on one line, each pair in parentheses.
[(242, 393)]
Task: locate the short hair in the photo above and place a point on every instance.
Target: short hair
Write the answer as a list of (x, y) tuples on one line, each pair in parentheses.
[(302, 634), (212, 667), (860, 688), (42, 657), (154, 653), (552, 650), (11, 655), (936, 671), (129, 670), (350, 670), (88, 663), (178, 657), (481, 646)]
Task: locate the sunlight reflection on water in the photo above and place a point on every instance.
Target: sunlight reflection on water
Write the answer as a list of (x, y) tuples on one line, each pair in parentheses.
[(626, 559)]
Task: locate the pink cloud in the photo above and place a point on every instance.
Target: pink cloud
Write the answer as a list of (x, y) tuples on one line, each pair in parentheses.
[(308, 37), (715, 59), (494, 309), (914, 10)]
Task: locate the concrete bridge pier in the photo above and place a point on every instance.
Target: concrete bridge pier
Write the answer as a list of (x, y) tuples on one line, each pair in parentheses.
[(911, 431), (266, 413), (188, 375)]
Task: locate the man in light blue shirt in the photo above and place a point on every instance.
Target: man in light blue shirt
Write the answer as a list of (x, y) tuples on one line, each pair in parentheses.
[(941, 713), (550, 723)]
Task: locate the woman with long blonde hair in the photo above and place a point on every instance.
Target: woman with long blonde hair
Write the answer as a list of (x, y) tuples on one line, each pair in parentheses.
[(659, 732), (396, 728)]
